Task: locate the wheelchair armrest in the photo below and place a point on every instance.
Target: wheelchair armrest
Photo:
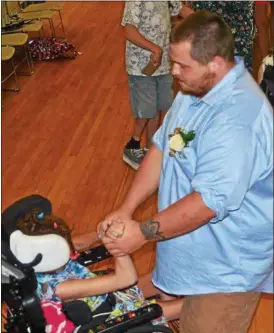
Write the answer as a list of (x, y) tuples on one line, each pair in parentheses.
[(126, 321), (93, 255)]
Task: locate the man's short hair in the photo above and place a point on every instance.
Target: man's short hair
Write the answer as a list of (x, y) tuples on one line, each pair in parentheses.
[(208, 34)]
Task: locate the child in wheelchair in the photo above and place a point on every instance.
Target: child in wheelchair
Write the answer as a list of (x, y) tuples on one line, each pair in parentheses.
[(61, 278)]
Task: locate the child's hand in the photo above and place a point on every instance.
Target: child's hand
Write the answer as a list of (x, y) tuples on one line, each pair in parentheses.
[(115, 229)]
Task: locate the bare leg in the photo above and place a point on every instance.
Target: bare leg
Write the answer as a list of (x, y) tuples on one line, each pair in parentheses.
[(84, 241), (152, 127), (271, 18), (147, 287), (172, 308), (262, 22), (139, 126), (171, 305)]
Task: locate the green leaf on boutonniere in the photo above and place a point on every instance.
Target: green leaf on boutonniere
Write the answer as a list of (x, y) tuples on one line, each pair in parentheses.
[(190, 136), (187, 137)]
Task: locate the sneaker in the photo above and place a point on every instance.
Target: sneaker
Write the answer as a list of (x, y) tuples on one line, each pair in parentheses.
[(133, 157)]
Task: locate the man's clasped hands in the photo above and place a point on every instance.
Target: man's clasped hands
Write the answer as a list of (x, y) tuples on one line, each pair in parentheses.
[(120, 234)]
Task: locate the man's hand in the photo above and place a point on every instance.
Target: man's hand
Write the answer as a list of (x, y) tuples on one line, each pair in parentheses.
[(156, 56), (119, 214), (131, 240), (116, 229)]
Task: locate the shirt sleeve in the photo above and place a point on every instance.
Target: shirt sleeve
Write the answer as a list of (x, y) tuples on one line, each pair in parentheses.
[(229, 161), (175, 7), (132, 13)]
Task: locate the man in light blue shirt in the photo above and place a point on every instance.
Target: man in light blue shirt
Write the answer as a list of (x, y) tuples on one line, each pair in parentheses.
[(212, 163)]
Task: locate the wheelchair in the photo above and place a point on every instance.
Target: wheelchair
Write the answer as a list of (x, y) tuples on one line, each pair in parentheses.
[(24, 313)]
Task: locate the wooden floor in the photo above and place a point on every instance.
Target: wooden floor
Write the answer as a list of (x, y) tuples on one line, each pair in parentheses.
[(64, 132)]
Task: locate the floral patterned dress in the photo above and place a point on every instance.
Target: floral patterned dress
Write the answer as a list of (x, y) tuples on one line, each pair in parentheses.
[(239, 15)]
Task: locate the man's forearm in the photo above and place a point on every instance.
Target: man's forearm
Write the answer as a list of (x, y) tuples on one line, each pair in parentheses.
[(146, 181), (133, 35), (180, 218)]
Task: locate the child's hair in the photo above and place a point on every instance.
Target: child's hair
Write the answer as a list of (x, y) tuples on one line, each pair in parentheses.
[(36, 223)]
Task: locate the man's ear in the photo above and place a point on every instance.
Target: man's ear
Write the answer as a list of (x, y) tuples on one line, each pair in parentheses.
[(215, 64)]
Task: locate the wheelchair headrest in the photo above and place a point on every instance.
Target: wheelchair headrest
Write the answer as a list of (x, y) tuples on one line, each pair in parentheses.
[(45, 252), (19, 209), (54, 249)]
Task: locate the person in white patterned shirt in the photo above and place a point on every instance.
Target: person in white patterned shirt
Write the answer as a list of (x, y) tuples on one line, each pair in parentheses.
[(147, 27)]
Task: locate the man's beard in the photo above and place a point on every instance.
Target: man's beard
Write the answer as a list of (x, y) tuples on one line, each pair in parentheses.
[(201, 88)]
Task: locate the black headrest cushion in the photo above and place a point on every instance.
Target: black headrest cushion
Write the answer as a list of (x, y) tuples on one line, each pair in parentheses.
[(19, 209)]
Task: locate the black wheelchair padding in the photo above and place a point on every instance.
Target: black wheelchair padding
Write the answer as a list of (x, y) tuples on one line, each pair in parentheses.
[(19, 209)]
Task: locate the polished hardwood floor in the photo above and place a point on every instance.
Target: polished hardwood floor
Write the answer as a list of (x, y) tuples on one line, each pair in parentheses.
[(64, 132)]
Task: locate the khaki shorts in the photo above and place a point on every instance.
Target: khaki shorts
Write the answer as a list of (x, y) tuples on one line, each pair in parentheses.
[(218, 313)]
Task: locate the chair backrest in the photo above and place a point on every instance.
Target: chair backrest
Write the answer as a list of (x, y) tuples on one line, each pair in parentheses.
[(5, 19), (13, 7)]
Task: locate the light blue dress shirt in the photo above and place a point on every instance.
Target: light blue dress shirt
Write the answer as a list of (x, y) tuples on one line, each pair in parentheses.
[(230, 163)]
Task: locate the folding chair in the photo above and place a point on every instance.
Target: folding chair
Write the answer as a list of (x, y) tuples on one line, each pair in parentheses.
[(51, 5), (19, 40), (7, 56), (14, 11)]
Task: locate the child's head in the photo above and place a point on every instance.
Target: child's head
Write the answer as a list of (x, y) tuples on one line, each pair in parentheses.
[(36, 223)]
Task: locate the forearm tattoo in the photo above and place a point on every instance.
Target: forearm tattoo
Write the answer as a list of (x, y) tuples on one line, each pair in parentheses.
[(151, 230)]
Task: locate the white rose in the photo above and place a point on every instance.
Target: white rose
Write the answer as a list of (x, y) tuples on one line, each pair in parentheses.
[(268, 61), (176, 143)]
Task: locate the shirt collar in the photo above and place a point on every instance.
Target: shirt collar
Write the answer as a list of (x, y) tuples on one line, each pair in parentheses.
[(219, 91)]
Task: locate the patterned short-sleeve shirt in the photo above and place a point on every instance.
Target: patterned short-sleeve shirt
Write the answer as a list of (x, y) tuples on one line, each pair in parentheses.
[(153, 20)]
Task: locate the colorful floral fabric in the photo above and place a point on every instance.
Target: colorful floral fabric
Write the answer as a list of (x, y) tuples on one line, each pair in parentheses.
[(239, 15), (126, 300)]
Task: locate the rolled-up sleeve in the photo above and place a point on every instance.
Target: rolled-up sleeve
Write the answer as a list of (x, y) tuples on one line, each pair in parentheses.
[(226, 166)]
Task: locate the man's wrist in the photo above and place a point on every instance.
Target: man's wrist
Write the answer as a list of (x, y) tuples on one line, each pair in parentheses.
[(127, 210), (151, 230)]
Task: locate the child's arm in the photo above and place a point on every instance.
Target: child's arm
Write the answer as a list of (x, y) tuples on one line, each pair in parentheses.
[(125, 275), (84, 241)]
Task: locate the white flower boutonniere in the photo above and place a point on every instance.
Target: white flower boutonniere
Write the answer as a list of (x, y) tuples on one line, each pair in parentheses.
[(268, 60), (179, 140)]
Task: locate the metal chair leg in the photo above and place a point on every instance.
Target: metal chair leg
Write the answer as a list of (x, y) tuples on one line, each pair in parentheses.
[(53, 34), (29, 60), (15, 76), (26, 58), (16, 89), (62, 24)]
